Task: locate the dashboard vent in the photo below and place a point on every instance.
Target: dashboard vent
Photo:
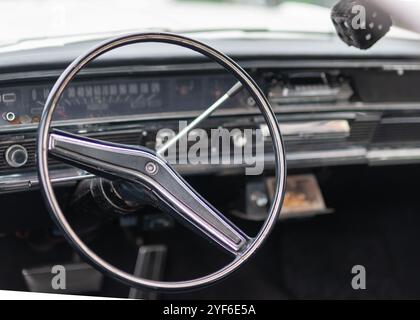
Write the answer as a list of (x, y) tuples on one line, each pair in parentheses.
[(29, 145), (397, 133), (362, 131)]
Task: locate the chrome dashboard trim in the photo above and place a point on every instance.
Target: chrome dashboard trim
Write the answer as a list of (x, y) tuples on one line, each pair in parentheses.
[(312, 129), (283, 109), (393, 155), (29, 180)]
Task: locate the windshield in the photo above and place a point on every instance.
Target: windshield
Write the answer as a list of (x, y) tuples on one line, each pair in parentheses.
[(44, 19)]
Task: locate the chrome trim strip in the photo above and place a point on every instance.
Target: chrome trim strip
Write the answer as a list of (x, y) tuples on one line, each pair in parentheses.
[(336, 155), (312, 129), (400, 155), (29, 180)]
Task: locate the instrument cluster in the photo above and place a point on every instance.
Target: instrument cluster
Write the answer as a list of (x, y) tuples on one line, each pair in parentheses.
[(113, 97)]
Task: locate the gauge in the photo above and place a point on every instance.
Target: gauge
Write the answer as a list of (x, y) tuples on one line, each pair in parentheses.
[(38, 97), (185, 88), (146, 95), (188, 94), (218, 86)]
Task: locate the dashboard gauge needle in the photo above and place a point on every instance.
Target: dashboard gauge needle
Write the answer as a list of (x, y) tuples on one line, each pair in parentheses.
[(230, 93)]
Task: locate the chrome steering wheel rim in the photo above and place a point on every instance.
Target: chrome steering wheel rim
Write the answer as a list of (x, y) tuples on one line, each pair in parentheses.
[(55, 210)]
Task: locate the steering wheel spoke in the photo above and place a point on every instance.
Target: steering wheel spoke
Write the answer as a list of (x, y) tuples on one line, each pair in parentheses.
[(142, 165)]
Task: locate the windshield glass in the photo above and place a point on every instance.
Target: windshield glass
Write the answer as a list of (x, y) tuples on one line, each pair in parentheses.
[(44, 19)]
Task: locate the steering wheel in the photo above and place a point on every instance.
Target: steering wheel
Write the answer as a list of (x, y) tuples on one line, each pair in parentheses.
[(143, 166)]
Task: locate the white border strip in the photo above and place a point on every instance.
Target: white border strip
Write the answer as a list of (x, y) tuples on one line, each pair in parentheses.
[(20, 295)]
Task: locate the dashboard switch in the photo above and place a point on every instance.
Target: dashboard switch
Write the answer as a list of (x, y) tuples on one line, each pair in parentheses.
[(16, 156)]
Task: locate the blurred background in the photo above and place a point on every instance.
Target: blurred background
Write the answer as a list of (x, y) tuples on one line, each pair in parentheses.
[(327, 3), (270, 2)]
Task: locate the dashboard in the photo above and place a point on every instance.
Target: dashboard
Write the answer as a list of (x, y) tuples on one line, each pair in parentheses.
[(333, 109)]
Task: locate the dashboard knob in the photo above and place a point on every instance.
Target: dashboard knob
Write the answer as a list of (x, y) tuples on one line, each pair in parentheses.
[(9, 116), (16, 156)]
